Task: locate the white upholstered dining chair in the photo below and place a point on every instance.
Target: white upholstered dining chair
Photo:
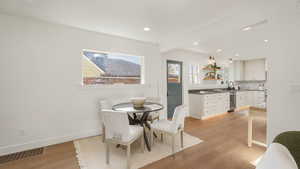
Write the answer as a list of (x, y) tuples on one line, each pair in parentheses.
[(118, 131), (105, 104), (171, 127)]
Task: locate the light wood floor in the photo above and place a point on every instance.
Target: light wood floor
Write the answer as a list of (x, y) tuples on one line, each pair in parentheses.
[(224, 147)]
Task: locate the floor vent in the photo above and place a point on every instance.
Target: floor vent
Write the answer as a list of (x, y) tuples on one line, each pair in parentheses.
[(21, 155)]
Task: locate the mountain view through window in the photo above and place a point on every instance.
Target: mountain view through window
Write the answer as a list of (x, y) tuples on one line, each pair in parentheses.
[(111, 68)]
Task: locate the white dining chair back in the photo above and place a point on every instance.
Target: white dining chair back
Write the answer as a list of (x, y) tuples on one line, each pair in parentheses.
[(153, 99), (105, 104), (171, 127), (116, 125), (119, 100), (118, 131), (178, 117)]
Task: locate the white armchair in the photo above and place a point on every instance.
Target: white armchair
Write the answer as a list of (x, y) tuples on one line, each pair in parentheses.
[(118, 131), (173, 127)]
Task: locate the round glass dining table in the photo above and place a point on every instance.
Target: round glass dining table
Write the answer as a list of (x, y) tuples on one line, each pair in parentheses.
[(139, 116)]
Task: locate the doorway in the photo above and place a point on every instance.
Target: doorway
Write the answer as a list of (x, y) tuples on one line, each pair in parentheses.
[(174, 86)]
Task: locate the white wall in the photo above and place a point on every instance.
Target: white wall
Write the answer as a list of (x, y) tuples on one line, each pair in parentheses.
[(284, 70), (42, 101), (188, 57)]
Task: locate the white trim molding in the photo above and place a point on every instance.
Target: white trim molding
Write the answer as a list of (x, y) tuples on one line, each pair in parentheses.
[(46, 142)]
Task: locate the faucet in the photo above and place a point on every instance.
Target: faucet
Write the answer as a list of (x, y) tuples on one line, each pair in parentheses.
[(230, 85)]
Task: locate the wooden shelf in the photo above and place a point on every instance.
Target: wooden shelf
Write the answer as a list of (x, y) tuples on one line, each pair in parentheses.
[(211, 69), (211, 79)]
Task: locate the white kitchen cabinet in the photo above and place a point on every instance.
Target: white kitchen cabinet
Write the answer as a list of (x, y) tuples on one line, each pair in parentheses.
[(249, 98), (202, 106), (255, 69), (238, 70), (258, 98), (242, 99), (249, 70)]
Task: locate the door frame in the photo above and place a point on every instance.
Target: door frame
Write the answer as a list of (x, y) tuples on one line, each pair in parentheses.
[(181, 78)]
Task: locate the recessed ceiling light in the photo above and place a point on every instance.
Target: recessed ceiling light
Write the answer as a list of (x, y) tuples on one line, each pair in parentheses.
[(196, 43), (237, 54), (147, 29), (266, 40), (219, 50), (247, 28)]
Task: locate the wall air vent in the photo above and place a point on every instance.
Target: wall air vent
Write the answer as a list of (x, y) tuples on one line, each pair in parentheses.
[(21, 155)]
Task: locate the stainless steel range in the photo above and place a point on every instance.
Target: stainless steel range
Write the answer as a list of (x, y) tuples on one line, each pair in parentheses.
[(232, 100)]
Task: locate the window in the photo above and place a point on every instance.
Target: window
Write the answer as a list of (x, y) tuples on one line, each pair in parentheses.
[(111, 68), (174, 71), (195, 73)]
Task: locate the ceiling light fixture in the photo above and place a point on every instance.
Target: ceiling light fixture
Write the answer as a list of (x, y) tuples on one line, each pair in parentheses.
[(146, 29), (247, 28), (266, 40), (196, 43), (219, 50)]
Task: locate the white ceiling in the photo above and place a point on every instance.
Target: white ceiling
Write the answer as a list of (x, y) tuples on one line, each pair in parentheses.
[(174, 23)]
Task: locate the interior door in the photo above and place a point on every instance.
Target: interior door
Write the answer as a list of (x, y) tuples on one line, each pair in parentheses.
[(174, 85)]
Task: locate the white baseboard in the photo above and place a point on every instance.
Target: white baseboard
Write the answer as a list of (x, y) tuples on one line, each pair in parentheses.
[(46, 142)]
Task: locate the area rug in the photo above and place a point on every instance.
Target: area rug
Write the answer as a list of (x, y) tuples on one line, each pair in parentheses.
[(91, 152)]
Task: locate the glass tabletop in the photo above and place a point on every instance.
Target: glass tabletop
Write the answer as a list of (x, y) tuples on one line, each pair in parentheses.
[(128, 107)]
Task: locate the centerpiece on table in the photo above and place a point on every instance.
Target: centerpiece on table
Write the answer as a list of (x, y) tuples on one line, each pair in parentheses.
[(138, 102)]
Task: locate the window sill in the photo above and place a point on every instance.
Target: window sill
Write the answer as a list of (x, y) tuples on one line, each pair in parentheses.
[(115, 86)]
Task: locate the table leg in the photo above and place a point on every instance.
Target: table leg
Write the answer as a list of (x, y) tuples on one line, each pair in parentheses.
[(146, 140), (250, 132), (149, 127)]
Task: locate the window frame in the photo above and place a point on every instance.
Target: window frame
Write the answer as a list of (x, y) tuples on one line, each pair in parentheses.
[(142, 83), (195, 74)]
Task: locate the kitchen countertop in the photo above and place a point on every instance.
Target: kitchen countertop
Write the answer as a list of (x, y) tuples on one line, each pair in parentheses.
[(218, 90)]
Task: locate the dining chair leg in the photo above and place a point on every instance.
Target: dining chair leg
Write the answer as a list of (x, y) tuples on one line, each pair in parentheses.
[(173, 146), (142, 143), (107, 153), (128, 156), (181, 138), (103, 135), (151, 137)]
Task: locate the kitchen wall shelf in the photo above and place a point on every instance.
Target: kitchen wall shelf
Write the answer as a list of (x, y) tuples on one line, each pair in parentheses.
[(211, 69), (211, 79)]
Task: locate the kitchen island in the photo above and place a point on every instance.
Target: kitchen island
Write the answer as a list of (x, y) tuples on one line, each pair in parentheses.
[(208, 103)]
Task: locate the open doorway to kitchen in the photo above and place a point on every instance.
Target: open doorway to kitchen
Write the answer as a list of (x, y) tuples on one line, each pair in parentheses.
[(250, 77)]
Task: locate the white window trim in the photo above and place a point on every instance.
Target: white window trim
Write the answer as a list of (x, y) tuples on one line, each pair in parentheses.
[(193, 73)]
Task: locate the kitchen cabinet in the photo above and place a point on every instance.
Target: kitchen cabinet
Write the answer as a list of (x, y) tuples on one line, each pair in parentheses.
[(250, 98), (255, 69), (249, 70), (238, 70), (207, 105), (242, 99), (257, 98)]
